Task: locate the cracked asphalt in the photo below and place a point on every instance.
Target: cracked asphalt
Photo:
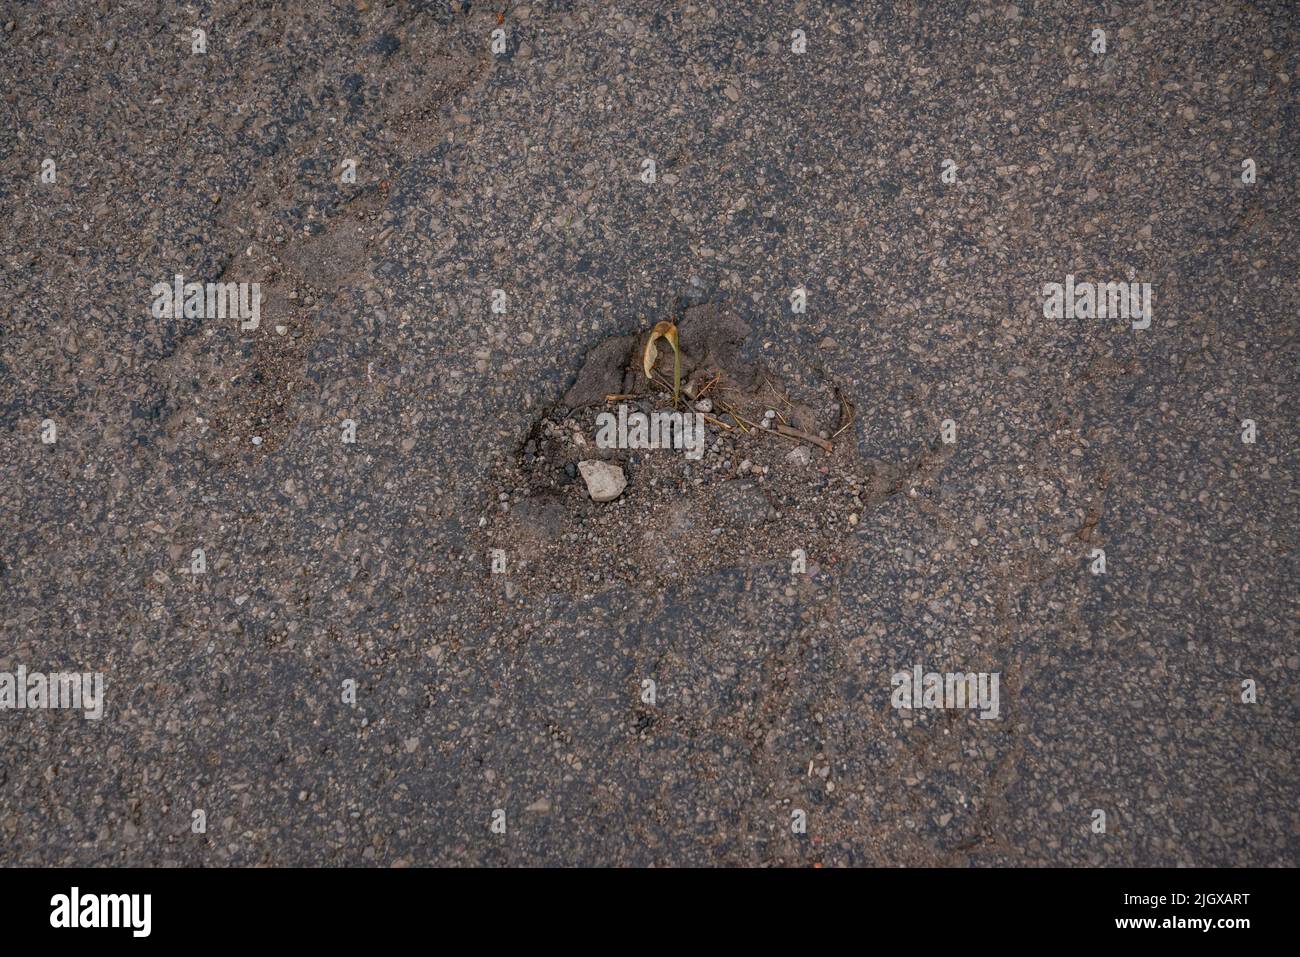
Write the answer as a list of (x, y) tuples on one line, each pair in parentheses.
[(520, 699)]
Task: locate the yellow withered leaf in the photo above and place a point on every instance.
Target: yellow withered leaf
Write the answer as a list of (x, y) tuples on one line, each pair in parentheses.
[(665, 330)]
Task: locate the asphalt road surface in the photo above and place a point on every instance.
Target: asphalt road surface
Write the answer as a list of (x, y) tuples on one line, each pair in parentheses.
[(270, 535)]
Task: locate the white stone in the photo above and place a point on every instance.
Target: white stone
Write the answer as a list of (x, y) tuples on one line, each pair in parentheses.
[(605, 482), (801, 455)]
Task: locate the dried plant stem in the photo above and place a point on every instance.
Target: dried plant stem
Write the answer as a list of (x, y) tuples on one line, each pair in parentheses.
[(848, 414), (791, 433), (708, 385)]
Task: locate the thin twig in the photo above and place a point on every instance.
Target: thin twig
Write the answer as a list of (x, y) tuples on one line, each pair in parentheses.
[(792, 433), (665, 385), (740, 420), (788, 403), (845, 404)]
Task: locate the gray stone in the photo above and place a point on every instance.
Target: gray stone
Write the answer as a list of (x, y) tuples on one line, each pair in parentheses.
[(605, 481)]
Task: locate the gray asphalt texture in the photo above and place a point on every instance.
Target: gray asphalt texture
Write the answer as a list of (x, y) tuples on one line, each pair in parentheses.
[(521, 171)]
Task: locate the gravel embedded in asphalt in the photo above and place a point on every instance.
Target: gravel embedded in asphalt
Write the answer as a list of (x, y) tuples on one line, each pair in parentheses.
[(441, 233)]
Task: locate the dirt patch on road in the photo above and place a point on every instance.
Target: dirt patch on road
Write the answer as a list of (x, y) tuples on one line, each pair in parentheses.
[(778, 478)]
